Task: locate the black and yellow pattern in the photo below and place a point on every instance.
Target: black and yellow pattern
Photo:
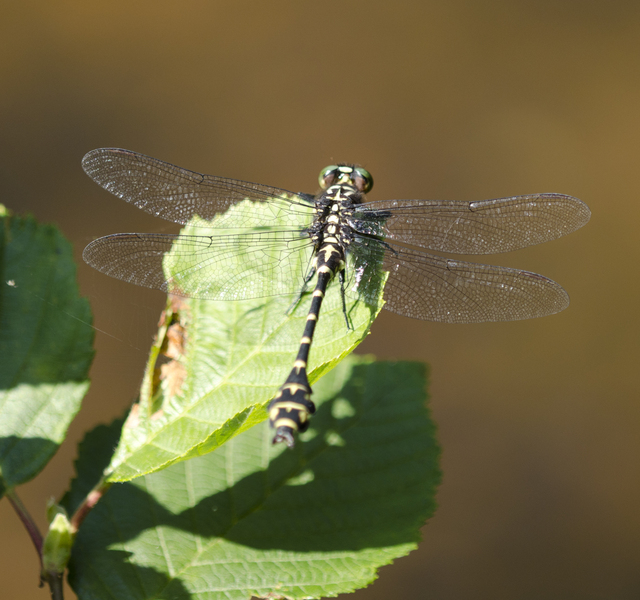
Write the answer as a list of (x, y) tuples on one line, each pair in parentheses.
[(345, 185)]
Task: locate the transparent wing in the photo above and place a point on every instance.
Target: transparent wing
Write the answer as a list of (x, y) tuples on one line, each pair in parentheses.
[(428, 287), (485, 227), (217, 267), (177, 194)]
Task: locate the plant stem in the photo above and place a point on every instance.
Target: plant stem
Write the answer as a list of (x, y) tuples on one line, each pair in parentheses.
[(55, 585), (88, 503), (54, 580), (27, 521)]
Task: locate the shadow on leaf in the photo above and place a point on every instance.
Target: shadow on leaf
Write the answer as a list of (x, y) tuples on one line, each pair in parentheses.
[(364, 477)]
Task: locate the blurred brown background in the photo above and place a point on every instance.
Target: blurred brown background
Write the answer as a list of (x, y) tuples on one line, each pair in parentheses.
[(539, 420)]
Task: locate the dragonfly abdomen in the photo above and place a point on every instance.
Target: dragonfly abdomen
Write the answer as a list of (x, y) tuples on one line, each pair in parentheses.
[(292, 406)]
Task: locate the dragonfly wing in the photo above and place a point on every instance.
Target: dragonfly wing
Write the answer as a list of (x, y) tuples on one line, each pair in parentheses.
[(484, 227), (428, 287), (218, 267), (177, 194)]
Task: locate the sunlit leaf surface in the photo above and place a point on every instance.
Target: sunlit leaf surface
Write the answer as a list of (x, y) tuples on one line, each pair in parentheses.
[(231, 357)]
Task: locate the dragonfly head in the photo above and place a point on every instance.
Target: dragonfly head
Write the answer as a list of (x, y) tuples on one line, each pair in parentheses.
[(358, 177)]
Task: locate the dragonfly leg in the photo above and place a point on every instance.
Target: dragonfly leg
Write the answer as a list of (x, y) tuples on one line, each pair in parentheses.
[(342, 279), (310, 275)]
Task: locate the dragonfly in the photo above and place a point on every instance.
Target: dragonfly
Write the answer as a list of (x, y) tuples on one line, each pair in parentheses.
[(337, 234)]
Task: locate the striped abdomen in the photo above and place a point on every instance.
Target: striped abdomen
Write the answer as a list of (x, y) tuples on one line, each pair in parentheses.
[(289, 411)]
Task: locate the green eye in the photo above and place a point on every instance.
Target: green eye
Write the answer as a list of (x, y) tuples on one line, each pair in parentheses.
[(328, 176), (363, 179)]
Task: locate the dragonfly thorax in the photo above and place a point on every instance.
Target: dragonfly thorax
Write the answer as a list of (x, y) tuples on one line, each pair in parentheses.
[(332, 232)]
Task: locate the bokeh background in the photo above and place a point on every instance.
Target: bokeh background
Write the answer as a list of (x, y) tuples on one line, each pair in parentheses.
[(539, 420)]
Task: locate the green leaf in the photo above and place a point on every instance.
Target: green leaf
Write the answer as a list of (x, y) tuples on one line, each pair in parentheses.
[(231, 357), (254, 519), (46, 346)]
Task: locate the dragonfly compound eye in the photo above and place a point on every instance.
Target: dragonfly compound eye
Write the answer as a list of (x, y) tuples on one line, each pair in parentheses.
[(328, 176), (362, 180)]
